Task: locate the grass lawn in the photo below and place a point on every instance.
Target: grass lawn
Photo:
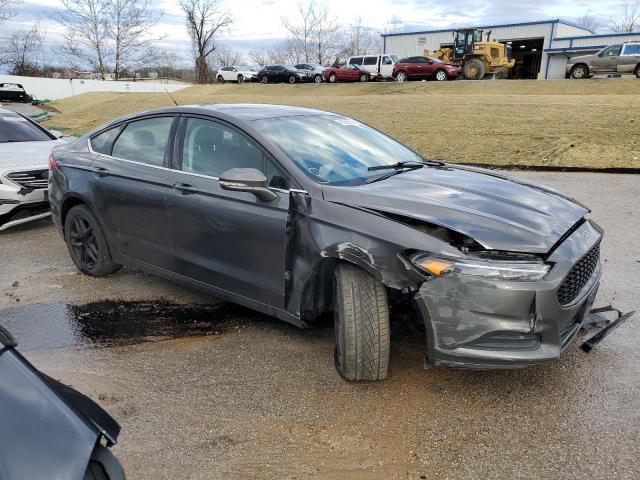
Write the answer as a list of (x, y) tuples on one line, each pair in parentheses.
[(562, 123)]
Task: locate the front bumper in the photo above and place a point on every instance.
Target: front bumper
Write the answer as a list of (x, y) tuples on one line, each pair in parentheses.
[(478, 323), (19, 204)]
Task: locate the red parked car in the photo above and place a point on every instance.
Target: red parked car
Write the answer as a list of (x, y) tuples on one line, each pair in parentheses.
[(418, 68), (346, 73)]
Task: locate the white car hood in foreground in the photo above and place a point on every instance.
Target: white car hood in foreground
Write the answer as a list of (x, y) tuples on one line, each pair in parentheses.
[(26, 154)]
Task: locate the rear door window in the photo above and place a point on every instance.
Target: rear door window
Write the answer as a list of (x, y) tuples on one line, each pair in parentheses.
[(370, 60), (144, 141), (356, 61), (211, 148), (102, 142), (631, 49)]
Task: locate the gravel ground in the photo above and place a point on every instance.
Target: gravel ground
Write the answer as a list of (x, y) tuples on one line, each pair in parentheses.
[(256, 398)]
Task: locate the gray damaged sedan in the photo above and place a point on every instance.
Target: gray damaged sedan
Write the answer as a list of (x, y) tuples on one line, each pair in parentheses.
[(303, 215)]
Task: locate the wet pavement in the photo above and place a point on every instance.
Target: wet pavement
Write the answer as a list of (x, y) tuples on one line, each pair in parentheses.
[(211, 390)]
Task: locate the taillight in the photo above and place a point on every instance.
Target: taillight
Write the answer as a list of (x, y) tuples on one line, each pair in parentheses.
[(52, 162)]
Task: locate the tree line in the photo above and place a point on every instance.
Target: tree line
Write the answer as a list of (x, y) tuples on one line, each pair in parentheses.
[(117, 38)]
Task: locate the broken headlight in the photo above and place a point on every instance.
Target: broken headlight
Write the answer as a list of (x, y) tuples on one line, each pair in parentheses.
[(498, 269)]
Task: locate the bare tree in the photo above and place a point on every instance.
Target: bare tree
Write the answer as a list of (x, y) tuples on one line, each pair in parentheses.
[(86, 34), (628, 20), (312, 34), (588, 22), (20, 50), (394, 25), (205, 18), (127, 24), (225, 56), (6, 11), (324, 32), (358, 39), (281, 55), (300, 30)]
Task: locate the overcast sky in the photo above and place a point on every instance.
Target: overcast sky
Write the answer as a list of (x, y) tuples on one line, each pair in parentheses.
[(257, 23)]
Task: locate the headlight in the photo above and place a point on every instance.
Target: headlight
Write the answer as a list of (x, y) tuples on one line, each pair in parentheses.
[(525, 270)]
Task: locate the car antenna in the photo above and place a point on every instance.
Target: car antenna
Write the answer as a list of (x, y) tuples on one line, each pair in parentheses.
[(172, 99)]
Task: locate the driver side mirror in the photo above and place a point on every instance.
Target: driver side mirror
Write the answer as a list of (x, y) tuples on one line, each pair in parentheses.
[(249, 180)]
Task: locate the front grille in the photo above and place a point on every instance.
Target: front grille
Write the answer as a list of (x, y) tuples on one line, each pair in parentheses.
[(579, 276), (32, 180)]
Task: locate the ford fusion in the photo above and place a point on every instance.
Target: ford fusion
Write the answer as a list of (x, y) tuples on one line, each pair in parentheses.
[(307, 215)]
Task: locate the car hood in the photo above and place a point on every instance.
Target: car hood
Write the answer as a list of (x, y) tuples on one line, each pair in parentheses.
[(581, 58), (498, 211), (26, 154)]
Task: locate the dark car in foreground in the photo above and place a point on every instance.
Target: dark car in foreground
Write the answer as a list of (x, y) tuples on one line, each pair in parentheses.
[(280, 73), (421, 68), (48, 430), (303, 214)]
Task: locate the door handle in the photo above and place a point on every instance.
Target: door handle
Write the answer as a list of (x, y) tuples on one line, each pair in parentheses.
[(100, 171), (185, 188)]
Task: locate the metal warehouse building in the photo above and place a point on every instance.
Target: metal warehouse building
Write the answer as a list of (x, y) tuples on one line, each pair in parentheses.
[(541, 49)]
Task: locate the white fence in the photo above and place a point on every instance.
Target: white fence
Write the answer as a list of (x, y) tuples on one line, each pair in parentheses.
[(54, 89)]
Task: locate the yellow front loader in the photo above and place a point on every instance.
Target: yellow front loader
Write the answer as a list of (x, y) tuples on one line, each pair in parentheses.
[(477, 57)]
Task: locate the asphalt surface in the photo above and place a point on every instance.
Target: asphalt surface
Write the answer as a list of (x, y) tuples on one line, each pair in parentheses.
[(206, 390)]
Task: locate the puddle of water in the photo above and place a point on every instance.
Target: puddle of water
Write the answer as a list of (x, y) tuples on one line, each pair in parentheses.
[(109, 323)]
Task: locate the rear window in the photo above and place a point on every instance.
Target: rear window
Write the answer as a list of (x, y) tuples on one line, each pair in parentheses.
[(370, 60), (632, 49), (15, 128)]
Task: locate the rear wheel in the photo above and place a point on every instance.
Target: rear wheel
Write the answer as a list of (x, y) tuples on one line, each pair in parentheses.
[(361, 325), (638, 71), (265, 79), (579, 72), (220, 79), (87, 244), (317, 79), (103, 466), (441, 75), (474, 69), (240, 78), (333, 78), (401, 77)]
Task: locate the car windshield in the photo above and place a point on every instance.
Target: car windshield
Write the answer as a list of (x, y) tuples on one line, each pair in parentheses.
[(14, 128), (332, 149)]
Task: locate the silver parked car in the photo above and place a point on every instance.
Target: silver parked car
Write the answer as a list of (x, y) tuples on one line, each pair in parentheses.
[(25, 147), (313, 71), (621, 58)]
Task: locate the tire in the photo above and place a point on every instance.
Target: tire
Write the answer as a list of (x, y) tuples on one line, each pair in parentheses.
[(265, 80), (638, 71), (441, 76), (474, 69), (240, 78), (103, 466), (364, 77), (220, 79), (401, 77), (333, 78), (361, 325), (292, 79), (580, 71), (317, 79), (87, 244)]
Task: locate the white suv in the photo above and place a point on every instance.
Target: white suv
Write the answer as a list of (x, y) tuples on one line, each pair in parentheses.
[(236, 73), (380, 66)]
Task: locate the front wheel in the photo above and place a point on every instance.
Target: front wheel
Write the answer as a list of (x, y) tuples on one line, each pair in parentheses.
[(240, 78), (364, 77), (441, 76), (401, 77), (220, 79), (474, 69), (265, 79), (361, 321), (87, 244), (579, 72), (638, 71), (317, 79), (292, 79)]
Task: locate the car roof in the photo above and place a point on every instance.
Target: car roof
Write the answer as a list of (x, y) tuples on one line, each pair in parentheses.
[(5, 111)]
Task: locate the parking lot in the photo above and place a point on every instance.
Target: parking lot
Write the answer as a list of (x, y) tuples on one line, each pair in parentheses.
[(208, 390)]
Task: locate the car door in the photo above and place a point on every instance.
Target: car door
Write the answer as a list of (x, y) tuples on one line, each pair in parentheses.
[(386, 66), (607, 60), (226, 239), (629, 58), (131, 184)]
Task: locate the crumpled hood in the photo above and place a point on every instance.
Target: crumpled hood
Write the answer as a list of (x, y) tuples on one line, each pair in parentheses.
[(26, 154), (496, 210)]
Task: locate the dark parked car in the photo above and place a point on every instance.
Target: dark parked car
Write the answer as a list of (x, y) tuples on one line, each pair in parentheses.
[(419, 68), (346, 73), (14, 92), (301, 214), (49, 430), (279, 73)]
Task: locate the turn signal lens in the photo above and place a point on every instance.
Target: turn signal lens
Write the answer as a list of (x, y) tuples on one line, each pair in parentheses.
[(435, 267)]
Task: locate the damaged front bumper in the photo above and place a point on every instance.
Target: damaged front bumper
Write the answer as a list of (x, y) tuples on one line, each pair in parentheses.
[(473, 322)]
